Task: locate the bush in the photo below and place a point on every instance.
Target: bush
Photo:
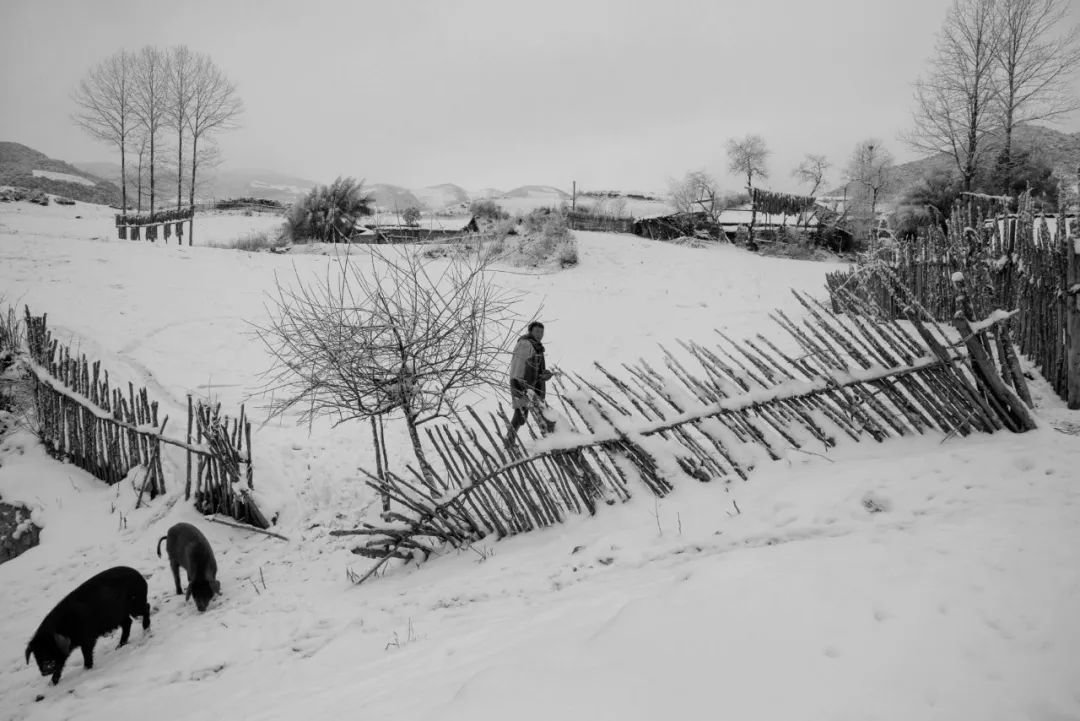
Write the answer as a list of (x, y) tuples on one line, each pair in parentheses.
[(235, 203), (545, 238), (411, 216), (329, 213), (256, 241), (487, 209)]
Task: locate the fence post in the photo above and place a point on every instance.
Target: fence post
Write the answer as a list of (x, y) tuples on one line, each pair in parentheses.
[(1073, 318)]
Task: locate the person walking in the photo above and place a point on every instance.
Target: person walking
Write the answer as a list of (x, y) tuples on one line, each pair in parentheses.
[(528, 379)]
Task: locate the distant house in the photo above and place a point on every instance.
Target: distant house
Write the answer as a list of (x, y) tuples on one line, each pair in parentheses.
[(372, 230), (665, 227)]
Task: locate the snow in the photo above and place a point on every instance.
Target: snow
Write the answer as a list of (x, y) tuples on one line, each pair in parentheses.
[(995, 316), (63, 177), (921, 578)]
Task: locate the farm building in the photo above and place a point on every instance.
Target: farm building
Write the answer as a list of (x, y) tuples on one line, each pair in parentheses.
[(428, 229)]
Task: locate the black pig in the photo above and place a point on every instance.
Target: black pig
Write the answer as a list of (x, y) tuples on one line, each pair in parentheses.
[(101, 604), (188, 547)]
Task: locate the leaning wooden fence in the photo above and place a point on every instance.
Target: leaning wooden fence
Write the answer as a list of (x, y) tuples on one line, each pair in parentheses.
[(108, 430), (711, 414), (150, 226), (577, 220), (1010, 264)]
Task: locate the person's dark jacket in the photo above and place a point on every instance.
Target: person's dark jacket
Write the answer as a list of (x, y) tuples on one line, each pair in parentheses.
[(528, 370)]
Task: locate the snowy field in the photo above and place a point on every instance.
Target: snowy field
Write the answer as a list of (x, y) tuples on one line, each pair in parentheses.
[(922, 578)]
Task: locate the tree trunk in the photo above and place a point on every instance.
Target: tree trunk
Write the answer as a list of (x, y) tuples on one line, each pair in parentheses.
[(152, 173), (380, 467), (191, 189), (418, 449), (138, 186), (1006, 148), (1072, 316), (180, 167), (751, 244), (123, 178)]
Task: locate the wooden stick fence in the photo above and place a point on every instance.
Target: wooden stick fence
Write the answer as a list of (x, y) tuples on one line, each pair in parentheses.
[(149, 226), (1008, 263), (107, 432), (224, 478), (82, 419), (712, 414)]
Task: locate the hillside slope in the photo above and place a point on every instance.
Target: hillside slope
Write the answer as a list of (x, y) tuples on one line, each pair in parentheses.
[(28, 168)]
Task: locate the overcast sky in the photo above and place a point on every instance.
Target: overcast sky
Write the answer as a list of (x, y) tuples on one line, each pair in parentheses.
[(498, 93)]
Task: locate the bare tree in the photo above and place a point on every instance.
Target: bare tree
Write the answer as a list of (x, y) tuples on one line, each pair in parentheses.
[(695, 192), (210, 157), (812, 171), (954, 102), (151, 99), (105, 98), (180, 67), (870, 171), (1036, 57), (214, 106), (396, 334), (141, 146), (747, 157)]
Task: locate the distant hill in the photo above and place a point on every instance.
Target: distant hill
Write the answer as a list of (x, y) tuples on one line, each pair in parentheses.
[(257, 183), (28, 168), (436, 197), (1063, 149), (534, 191), (444, 198), (219, 184), (393, 198)]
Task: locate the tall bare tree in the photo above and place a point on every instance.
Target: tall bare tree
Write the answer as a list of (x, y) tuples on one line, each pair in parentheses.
[(1036, 57), (954, 102), (105, 102), (180, 66), (812, 171), (870, 170), (151, 101), (689, 194), (214, 106), (140, 144), (747, 157)]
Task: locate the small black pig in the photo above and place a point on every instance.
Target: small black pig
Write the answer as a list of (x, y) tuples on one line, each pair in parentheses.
[(188, 547), (101, 604)]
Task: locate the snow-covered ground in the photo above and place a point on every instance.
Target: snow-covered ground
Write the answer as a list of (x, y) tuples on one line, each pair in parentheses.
[(922, 578), (65, 177)]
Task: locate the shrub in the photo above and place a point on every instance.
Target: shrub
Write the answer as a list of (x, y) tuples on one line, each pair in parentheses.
[(545, 238), (487, 209), (411, 216), (567, 256), (256, 241), (329, 213)]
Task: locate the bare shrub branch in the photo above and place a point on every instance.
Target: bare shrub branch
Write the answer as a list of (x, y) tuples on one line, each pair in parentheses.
[(389, 332)]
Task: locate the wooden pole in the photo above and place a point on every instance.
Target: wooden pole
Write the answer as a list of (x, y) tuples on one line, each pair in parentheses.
[(1073, 322), (150, 466)]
